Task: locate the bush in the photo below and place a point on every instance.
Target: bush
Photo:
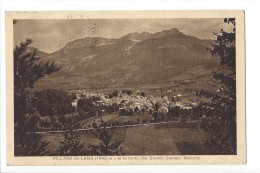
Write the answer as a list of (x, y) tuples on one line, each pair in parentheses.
[(174, 112), (114, 93), (130, 112), (183, 118), (128, 92), (136, 109), (122, 112)]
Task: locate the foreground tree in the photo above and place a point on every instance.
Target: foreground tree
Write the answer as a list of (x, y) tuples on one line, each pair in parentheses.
[(52, 102), (106, 146), (30, 143), (71, 146), (222, 109), (28, 69)]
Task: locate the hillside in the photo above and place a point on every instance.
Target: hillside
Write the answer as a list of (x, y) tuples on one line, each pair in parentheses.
[(136, 59)]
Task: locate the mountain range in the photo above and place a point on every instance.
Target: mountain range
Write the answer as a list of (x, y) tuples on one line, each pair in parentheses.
[(136, 59)]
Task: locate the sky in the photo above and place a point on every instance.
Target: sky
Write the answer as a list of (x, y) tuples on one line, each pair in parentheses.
[(50, 35)]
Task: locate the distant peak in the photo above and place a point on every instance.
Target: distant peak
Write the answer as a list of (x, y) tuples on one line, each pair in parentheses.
[(175, 29), (170, 31), (137, 36), (87, 41)]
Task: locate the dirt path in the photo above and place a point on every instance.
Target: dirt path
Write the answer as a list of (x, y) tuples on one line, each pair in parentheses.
[(107, 118)]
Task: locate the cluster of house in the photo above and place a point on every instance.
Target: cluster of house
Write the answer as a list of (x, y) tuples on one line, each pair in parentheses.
[(136, 100)]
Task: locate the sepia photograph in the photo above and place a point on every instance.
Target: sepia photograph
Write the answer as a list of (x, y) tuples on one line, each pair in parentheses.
[(151, 87)]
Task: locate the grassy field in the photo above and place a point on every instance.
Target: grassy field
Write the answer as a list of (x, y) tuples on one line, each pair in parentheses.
[(159, 139), (87, 122), (111, 118)]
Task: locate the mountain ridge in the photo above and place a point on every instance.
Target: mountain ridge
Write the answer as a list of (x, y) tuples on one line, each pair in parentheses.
[(131, 60)]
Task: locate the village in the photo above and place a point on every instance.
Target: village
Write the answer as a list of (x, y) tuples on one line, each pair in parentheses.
[(137, 101)]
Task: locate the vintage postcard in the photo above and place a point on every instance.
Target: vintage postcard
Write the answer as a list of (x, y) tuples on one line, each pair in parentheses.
[(125, 87)]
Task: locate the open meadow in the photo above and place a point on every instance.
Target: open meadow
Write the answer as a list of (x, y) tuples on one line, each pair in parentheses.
[(154, 139)]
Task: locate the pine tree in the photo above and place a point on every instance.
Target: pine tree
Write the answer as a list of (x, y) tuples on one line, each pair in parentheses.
[(28, 69), (106, 146), (222, 108), (71, 145), (31, 145)]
